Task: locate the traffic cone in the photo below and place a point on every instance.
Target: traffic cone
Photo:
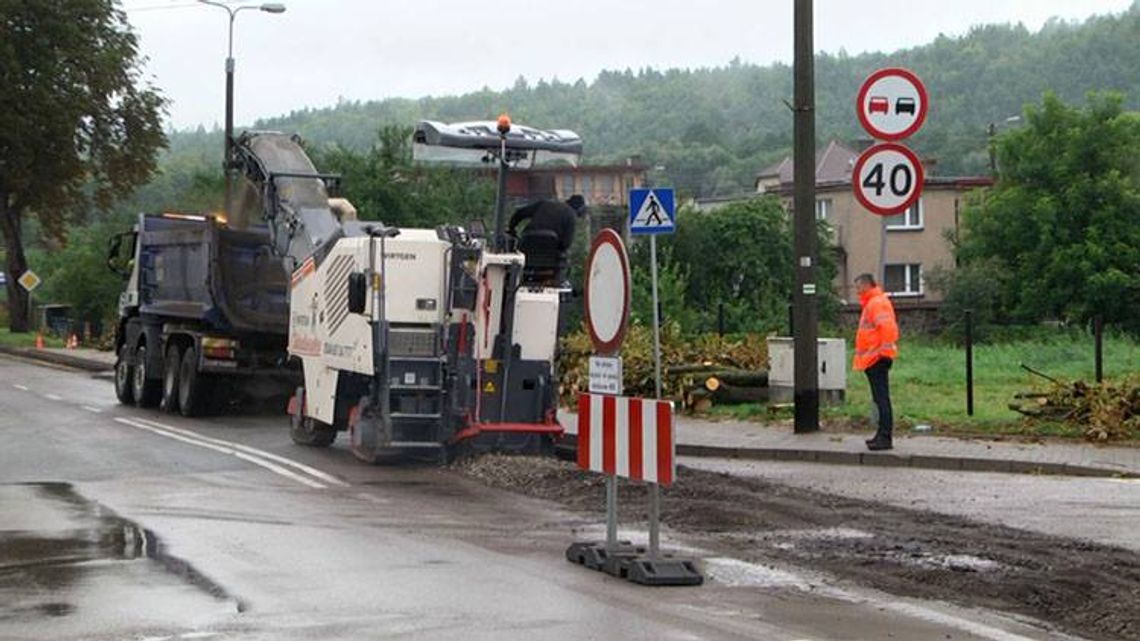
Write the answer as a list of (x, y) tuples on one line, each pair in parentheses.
[(39, 340)]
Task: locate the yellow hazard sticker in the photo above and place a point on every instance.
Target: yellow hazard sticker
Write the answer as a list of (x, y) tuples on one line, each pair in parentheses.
[(490, 366), (489, 388)]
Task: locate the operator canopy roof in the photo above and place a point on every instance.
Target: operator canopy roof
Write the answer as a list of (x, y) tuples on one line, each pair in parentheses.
[(478, 142)]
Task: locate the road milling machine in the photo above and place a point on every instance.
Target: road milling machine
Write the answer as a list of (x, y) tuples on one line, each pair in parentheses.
[(415, 341)]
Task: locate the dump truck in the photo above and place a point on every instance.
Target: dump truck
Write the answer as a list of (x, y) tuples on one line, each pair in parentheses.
[(203, 316)]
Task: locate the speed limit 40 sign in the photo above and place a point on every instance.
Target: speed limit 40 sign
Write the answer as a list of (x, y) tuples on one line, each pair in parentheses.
[(887, 178)]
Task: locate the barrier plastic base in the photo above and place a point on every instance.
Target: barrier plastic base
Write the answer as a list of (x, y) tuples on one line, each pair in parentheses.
[(631, 562), (594, 555), (664, 570)]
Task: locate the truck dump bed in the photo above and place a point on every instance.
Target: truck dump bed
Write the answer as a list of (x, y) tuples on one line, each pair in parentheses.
[(194, 268)]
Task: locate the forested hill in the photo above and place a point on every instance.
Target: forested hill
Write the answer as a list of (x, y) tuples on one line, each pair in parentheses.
[(713, 129)]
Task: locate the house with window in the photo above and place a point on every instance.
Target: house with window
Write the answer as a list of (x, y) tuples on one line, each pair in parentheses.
[(600, 185), (908, 245)]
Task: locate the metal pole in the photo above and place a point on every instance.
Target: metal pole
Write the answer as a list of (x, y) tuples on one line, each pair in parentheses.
[(1098, 333), (882, 273), (654, 488), (501, 196), (227, 163), (656, 316), (611, 513), (803, 298), (969, 363)]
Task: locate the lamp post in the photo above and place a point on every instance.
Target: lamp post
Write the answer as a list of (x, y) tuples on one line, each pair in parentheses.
[(992, 131), (270, 7)]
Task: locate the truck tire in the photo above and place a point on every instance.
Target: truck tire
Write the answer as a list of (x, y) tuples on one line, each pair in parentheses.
[(145, 389), (170, 368), (193, 386), (124, 377)]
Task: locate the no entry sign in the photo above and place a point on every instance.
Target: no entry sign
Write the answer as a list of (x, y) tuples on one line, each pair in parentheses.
[(607, 292), (887, 178), (892, 104)]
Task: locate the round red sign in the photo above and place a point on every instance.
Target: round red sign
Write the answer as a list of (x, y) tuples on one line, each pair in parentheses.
[(607, 292), (892, 104), (888, 178)]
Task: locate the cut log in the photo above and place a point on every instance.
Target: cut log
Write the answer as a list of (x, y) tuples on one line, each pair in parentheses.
[(738, 378), (693, 368), (729, 394)]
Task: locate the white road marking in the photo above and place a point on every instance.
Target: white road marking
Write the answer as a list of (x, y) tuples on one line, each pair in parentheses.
[(22, 388), (276, 469), (311, 471), (53, 397), (93, 410)]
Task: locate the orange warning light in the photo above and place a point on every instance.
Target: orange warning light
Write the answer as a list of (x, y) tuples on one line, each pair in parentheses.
[(504, 123)]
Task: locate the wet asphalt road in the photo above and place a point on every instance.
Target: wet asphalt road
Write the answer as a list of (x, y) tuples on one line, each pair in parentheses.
[(118, 523)]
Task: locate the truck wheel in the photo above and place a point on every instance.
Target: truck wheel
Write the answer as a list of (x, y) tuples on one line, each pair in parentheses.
[(170, 366), (306, 430), (145, 389), (124, 378), (193, 392)]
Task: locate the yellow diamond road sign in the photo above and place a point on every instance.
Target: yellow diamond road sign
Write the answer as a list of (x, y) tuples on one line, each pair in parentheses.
[(28, 280)]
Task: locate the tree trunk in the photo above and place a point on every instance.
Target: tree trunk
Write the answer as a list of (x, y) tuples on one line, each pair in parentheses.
[(15, 265)]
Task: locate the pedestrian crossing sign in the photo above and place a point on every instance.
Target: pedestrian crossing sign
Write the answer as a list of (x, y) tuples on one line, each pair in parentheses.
[(652, 211)]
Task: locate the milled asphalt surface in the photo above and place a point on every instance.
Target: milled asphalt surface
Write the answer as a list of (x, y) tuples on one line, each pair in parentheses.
[(229, 549), (1092, 509)]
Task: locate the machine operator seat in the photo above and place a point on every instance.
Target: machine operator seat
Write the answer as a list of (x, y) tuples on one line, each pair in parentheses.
[(545, 261)]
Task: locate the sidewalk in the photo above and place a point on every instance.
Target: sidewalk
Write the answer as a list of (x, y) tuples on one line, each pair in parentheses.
[(734, 439), (91, 360)]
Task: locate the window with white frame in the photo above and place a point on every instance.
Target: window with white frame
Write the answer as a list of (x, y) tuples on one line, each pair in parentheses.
[(823, 209), (903, 280), (909, 219)]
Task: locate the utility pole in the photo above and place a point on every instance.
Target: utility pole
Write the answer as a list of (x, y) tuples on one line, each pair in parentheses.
[(805, 304)]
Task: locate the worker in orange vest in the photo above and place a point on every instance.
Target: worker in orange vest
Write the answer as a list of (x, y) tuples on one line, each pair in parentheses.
[(876, 347)]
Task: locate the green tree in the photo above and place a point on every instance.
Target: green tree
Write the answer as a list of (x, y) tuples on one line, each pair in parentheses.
[(1063, 220), (79, 125), (741, 256), (384, 184)]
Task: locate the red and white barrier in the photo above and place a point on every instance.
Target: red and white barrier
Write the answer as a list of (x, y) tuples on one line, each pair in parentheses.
[(627, 437)]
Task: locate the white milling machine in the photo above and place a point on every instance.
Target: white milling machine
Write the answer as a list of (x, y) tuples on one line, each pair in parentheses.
[(415, 340)]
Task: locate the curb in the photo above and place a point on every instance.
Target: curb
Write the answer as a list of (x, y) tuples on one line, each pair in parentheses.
[(569, 444), (56, 358)]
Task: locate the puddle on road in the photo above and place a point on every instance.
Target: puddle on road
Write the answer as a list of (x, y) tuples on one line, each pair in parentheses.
[(63, 555)]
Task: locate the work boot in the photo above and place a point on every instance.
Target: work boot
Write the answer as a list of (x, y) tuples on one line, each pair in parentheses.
[(879, 444)]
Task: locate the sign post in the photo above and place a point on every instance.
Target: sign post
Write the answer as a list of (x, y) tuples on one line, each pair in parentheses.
[(29, 280), (653, 212), (621, 436)]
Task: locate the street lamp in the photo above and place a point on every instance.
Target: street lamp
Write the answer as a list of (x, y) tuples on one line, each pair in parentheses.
[(269, 7), (1011, 120)]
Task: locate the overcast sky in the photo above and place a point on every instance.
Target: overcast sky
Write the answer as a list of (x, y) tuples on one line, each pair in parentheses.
[(321, 51)]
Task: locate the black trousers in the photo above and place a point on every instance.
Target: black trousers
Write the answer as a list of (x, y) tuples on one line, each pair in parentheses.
[(878, 377)]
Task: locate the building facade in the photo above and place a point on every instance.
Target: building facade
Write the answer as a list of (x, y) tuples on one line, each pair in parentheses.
[(600, 185)]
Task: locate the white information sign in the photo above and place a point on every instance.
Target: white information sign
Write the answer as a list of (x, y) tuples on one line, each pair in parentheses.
[(605, 375)]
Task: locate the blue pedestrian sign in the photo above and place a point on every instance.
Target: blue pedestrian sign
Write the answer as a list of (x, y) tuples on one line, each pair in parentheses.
[(652, 211)]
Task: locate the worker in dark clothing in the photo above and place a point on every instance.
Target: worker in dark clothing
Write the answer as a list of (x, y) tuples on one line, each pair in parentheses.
[(558, 217)]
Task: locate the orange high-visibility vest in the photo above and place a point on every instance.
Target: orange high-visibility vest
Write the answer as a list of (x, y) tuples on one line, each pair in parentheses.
[(878, 334)]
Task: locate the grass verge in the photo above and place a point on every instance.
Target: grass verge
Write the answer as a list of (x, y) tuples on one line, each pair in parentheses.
[(928, 385)]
